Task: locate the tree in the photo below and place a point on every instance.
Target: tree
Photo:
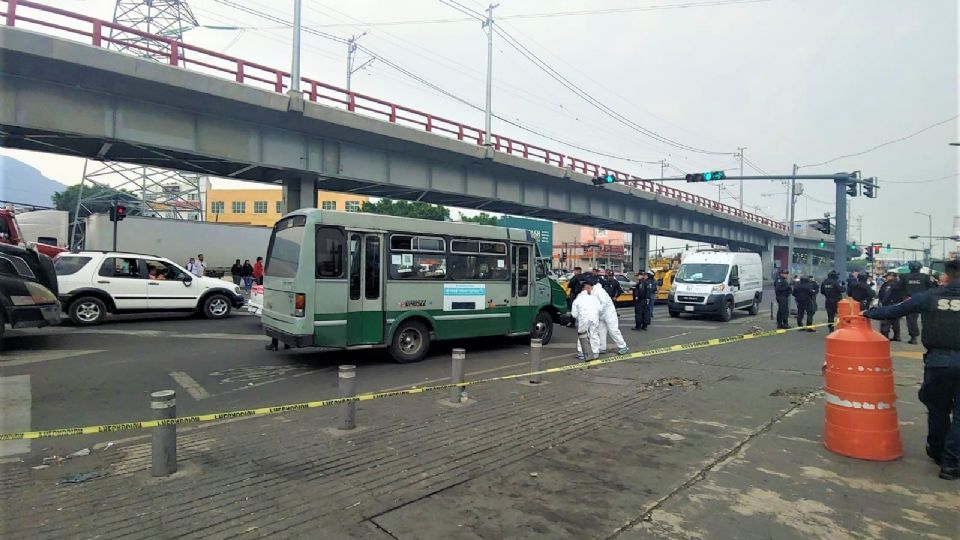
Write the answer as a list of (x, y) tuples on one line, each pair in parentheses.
[(96, 199), (417, 210), (483, 219)]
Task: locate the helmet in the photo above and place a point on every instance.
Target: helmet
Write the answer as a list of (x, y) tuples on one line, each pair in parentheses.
[(833, 274), (914, 266)]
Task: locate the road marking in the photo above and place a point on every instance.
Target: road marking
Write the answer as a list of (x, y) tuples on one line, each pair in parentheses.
[(190, 385), (15, 404), (912, 355), (19, 358)]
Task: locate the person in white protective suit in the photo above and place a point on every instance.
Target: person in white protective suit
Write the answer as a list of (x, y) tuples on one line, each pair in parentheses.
[(609, 322), (586, 310)]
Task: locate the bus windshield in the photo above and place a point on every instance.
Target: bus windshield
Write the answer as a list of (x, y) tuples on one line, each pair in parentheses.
[(283, 254), (702, 273)]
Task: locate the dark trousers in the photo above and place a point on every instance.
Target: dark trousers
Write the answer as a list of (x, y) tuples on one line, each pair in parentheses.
[(805, 311), (941, 394), (236, 279), (831, 313), (642, 313), (913, 328), (885, 327), (783, 311)]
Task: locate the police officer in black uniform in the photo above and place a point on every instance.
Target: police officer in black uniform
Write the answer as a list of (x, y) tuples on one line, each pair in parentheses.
[(782, 290), (860, 291), (913, 283), (610, 284), (940, 392), (644, 296), (805, 291), (832, 291), (890, 295), (575, 285)]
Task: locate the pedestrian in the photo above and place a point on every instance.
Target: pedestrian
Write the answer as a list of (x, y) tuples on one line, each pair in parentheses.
[(190, 264), (782, 290), (644, 296), (939, 310), (913, 283), (611, 285), (236, 272), (832, 291), (806, 296), (258, 271), (199, 267), (890, 294), (609, 321), (586, 311), (247, 272), (575, 285)]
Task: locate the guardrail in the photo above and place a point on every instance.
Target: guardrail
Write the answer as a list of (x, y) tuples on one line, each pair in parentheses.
[(101, 33)]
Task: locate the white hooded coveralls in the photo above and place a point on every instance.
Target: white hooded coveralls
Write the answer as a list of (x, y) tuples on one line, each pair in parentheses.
[(609, 322), (586, 309)]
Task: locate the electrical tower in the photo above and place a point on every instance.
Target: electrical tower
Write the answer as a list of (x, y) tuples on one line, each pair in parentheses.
[(148, 191)]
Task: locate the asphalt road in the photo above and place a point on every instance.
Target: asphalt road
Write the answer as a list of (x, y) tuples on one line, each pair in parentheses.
[(67, 376)]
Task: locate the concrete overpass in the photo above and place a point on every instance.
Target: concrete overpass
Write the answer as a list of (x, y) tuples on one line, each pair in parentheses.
[(61, 96)]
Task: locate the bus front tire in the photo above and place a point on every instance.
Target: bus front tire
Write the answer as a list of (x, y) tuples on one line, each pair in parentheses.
[(410, 342), (542, 327)]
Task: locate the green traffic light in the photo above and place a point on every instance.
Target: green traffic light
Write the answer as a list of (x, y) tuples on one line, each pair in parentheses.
[(823, 244), (609, 178)]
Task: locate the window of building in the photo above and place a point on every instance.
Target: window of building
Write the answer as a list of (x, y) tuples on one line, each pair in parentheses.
[(238, 207), (192, 196), (328, 205), (352, 206), (279, 207), (216, 207), (259, 207)]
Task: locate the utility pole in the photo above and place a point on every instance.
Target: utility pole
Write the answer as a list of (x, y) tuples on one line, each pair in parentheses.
[(791, 202), (488, 24), (664, 165), (840, 233), (295, 68), (351, 56), (740, 153)]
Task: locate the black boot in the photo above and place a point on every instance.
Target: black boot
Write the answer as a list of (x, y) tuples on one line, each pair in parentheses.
[(913, 340), (952, 473)]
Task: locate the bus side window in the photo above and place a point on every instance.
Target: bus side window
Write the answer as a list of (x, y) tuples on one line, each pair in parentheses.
[(329, 252), (523, 271), (354, 266)]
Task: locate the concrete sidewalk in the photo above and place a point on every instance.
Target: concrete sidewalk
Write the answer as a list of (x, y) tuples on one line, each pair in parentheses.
[(714, 443)]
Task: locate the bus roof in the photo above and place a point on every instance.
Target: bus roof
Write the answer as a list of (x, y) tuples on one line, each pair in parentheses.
[(412, 225)]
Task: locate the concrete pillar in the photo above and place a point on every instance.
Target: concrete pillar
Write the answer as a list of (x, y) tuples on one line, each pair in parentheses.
[(640, 251), (766, 258), (299, 192)]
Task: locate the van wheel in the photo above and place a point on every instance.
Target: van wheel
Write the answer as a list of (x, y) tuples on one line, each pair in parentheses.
[(754, 307), (542, 327), (726, 313), (410, 342), (87, 311), (216, 306)]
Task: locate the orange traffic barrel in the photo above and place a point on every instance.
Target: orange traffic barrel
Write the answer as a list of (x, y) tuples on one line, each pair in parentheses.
[(846, 309), (861, 410)]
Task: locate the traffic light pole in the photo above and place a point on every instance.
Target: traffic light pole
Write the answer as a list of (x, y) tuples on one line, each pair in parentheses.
[(840, 233), (113, 213)]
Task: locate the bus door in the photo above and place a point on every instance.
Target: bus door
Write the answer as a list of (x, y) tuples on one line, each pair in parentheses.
[(521, 317), (365, 289)]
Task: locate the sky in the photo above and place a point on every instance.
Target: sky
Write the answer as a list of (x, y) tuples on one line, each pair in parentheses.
[(792, 81)]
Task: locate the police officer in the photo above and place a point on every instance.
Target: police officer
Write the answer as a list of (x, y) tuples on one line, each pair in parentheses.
[(940, 392), (806, 294), (911, 284), (890, 295), (644, 296), (575, 285), (832, 291), (782, 290), (611, 285), (860, 291)]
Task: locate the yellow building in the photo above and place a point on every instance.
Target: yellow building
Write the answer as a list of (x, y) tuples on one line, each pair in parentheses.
[(264, 206)]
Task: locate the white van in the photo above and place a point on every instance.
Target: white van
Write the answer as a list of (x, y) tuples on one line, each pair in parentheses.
[(716, 283)]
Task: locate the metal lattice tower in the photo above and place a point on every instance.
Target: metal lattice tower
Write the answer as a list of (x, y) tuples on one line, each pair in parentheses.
[(149, 191)]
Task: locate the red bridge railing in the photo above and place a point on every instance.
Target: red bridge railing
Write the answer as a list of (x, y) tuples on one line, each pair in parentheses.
[(34, 15)]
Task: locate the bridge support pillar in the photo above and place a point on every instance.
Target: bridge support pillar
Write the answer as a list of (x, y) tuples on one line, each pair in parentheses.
[(299, 192), (640, 251), (766, 259)]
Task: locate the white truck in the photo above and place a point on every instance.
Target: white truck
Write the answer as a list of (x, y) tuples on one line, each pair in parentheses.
[(48, 227), (178, 240)]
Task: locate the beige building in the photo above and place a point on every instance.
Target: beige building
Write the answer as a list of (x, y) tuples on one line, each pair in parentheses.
[(589, 247), (264, 206)]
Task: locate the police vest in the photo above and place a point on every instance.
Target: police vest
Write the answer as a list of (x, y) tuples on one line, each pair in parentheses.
[(941, 319), (831, 290), (915, 282)]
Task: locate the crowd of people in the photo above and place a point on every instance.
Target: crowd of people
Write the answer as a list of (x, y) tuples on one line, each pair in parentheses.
[(246, 274)]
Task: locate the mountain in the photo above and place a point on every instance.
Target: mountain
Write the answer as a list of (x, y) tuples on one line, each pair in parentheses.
[(20, 183)]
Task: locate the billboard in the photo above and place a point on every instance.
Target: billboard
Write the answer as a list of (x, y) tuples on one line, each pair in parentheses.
[(541, 230)]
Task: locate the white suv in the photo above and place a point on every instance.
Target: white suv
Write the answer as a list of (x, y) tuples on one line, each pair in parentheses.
[(94, 283)]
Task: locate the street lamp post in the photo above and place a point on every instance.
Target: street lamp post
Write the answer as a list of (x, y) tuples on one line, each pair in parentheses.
[(926, 256)]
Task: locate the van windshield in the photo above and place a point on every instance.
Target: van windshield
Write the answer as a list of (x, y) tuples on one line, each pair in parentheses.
[(702, 273), (283, 254)]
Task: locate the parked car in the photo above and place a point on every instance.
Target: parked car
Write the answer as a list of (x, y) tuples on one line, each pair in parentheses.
[(28, 287), (96, 283)]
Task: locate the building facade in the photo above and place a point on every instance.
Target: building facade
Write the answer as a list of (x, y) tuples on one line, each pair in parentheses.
[(264, 206), (589, 247)]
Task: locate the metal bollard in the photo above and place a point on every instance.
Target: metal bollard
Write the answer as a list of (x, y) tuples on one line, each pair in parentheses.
[(585, 346), (164, 438), (348, 388), (456, 375), (536, 359)]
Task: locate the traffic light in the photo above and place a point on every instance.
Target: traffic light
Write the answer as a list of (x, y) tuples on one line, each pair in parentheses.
[(823, 225), (710, 176), (605, 179), (853, 189), (822, 244), (118, 213), (868, 251), (887, 249), (869, 188), (563, 257)]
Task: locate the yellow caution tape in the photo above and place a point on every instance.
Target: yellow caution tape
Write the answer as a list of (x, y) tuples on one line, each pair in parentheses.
[(144, 424)]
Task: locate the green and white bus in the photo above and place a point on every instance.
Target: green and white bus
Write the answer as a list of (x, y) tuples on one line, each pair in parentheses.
[(356, 281)]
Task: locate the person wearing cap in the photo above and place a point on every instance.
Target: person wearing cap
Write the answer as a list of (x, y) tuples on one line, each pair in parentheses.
[(939, 310), (644, 296), (586, 311), (913, 283), (890, 295), (782, 290), (832, 291)]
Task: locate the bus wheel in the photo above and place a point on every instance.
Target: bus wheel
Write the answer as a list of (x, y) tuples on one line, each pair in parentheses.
[(542, 327), (410, 342)]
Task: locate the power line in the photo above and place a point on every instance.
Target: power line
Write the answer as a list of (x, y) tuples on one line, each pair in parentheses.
[(926, 181), (881, 145)]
